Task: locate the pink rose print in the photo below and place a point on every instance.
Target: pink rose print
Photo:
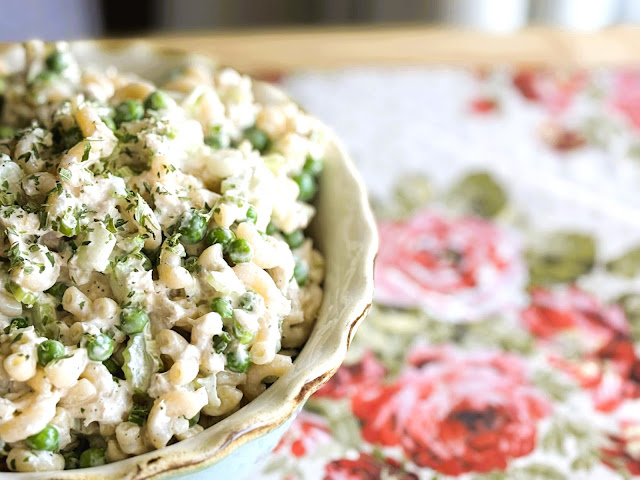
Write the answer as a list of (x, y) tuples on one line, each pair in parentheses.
[(626, 95), (456, 269), (609, 367), (555, 90), (455, 413), (366, 467)]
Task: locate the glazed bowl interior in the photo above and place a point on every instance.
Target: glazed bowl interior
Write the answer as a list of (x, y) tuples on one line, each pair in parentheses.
[(345, 232)]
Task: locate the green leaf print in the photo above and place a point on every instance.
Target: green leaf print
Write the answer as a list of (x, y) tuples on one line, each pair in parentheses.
[(412, 192), (627, 265), (491, 476), (344, 427), (501, 333), (560, 257), (586, 461), (534, 471), (389, 333), (584, 440), (537, 471), (553, 385), (477, 194)]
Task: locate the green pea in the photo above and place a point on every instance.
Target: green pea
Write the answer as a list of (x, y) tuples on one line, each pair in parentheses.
[(46, 439), (252, 215), (71, 138), (271, 228), (108, 121), (222, 306), (58, 61), (7, 132), (258, 139), (92, 457), (238, 360), (221, 342), (157, 100), (128, 111), (133, 320), (301, 272), (313, 166), (49, 350), (58, 290), (243, 335), (100, 347), (217, 138), (248, 300), (192, 227), (16, 324), (294, 239), (221, 235), (240, 251), (307, 185)]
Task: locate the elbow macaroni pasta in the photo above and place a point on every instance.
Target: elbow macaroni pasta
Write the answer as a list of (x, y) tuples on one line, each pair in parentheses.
[(153, 260)]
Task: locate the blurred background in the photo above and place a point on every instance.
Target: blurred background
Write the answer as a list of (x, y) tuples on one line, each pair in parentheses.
[(70, 19)]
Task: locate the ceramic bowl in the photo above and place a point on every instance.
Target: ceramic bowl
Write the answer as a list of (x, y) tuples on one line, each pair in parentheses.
[(345, 232)]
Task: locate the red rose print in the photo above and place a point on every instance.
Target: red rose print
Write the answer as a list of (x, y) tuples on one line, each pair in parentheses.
[(455, 413), (366, 467), (624, 447), (305, 434), (483, 105), (555, 90), (626, 95), (561, 138), (526, 82), (608, 367), (351, 378), (457, 269), (551, 313)]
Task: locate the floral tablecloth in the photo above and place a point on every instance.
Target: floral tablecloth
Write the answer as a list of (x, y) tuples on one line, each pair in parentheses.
[(504, 339)]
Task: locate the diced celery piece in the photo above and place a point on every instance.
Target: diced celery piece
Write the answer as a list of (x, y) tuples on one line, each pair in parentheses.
[(140, 360), (93, 253)]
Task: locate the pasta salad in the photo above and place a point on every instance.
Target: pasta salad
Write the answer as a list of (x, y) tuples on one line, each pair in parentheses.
[(155, 275)]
